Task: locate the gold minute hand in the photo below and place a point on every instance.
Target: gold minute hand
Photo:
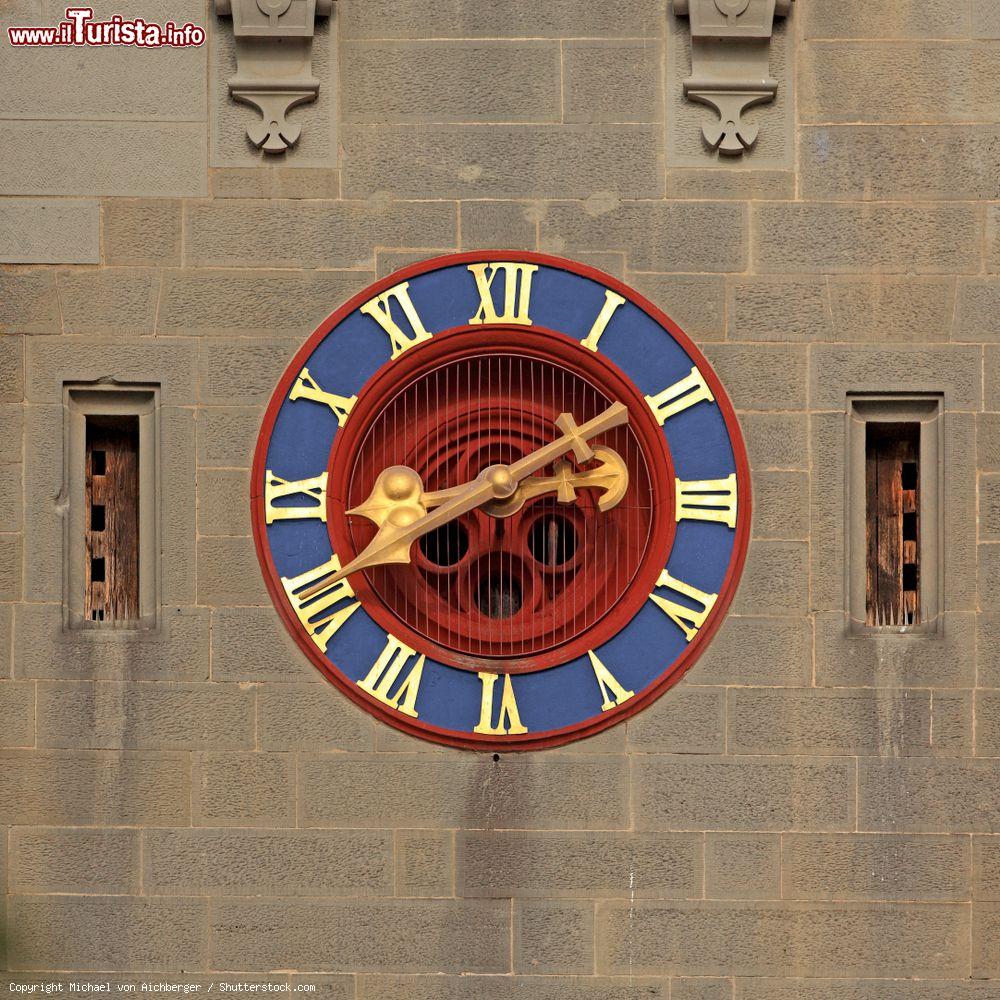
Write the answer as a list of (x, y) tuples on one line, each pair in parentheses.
[(400, 507)]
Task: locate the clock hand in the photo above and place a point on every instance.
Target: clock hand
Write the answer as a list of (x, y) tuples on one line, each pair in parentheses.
[(399, 505)]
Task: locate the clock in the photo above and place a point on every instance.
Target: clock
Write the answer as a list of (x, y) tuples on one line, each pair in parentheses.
[(500, 500)]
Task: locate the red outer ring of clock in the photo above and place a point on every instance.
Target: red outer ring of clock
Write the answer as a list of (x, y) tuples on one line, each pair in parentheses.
[(529, 741), (532, 341)]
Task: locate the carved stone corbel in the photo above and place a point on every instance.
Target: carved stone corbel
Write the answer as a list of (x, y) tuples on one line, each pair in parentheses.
[(274, 63), (730, 64)]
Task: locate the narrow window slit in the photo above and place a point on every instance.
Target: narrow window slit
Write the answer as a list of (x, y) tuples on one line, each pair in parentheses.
[(97, 517)]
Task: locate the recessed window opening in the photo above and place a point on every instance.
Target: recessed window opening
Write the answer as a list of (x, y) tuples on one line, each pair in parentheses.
[(111, 534), (892, 519)]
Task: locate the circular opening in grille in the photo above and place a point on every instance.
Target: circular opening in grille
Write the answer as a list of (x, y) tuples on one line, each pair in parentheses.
[(552, 540), (445, 546), (499, 596)]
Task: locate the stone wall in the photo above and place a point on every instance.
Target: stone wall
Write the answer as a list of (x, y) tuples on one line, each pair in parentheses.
[(808, 816)]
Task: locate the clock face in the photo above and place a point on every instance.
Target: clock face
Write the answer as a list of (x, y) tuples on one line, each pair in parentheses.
[(500, 500)]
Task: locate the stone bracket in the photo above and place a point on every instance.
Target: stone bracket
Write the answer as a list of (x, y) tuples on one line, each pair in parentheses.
[(274, 63), (730, 64)]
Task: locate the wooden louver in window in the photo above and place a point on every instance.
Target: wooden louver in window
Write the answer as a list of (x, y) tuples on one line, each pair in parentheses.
[(892, 486), (111, 527)]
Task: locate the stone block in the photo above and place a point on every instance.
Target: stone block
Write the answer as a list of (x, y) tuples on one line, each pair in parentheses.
[(985, 19), (553, 937), (874, 866), (988, 650), (126, 159), (910, 310), (536, 791), (986, 868), (10, 567), (242, 371), (50, 859), (988, 723), (517, 19), (985, 940), (223, 502), (695, 302), (701, 989), (148, 716), (177, 650), (978, 307), (389, 261), (502, 161), (11, 369), (837, 238), (267, 863), (250, 644), (12, 440), (882, 162), (285, 303), (142, 232), (228, 572), (418, 82), (991, 366), (87, 788), (656, 236), (776, 440), (227, 435), (871, 989), (327, 987), (775, 579), (795, 939), (908, 19), (11, 496), (685, 119), (687, 719), (243, 789), (607, 80), (503, 225), (108, 932), (890, 661), (425, 863), (110, 300), (738, 185), (29, 303), (742, 866), (751, 650), (511, 988), (275, 182), (934, 796), (785, 308), (833, 722), (989, 576), (427, 935), (989, 507), (759, 377), (836, 370), (311, 717), (17, 709), (167, 362), (781, 505), (909, 81), (328, 234), (742, 793), (6, 640), (503, 864), (49, 230)]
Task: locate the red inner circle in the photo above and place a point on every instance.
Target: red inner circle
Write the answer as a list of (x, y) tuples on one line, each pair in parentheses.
[(546, 583)]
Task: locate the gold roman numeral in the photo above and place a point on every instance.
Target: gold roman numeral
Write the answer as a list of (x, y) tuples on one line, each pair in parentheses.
[(306, 387), (276, 488), (385, 673), (380, 310), (608, 684), (516, 292), (611, 302), (509, 721), (686, 619), (707, 500), (314, 600), (677, 397)]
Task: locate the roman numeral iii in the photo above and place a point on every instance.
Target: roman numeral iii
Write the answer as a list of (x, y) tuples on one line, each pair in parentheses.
[(707, 500), (516, 292), (380, 310), (385, 672), (276, 488)]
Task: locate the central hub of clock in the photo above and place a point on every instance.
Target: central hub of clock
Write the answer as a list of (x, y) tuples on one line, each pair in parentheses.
[(551, 566)]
